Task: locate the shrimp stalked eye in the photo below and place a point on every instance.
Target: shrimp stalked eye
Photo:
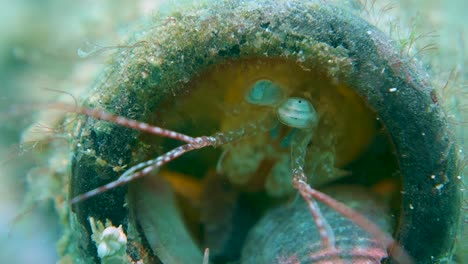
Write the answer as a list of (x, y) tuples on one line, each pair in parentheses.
[(298, 113), (265, 93)]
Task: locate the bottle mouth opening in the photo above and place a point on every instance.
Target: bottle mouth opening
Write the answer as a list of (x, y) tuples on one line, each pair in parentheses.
[(231, 187)]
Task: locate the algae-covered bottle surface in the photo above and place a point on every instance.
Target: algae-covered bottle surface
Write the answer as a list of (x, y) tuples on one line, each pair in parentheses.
[(238, 132)]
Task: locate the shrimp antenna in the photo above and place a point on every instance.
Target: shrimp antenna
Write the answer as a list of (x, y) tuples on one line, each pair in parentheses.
[(144, 168)]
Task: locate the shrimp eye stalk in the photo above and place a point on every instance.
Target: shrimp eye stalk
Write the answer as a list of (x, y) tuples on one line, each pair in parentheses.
[(265, 93), (298, 113)]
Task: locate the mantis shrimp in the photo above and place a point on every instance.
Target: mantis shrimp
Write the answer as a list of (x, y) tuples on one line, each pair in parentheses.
[(300, 118)]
